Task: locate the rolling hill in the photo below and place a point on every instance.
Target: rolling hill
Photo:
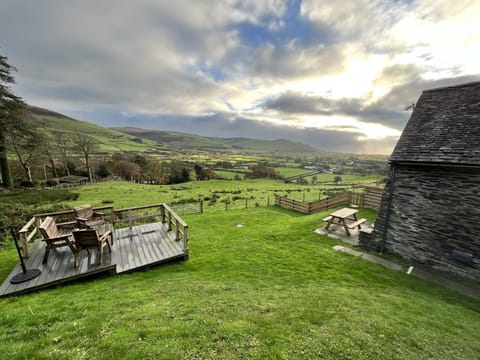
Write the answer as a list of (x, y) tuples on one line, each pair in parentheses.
[(108, 140), (190, 141), (135, 139)]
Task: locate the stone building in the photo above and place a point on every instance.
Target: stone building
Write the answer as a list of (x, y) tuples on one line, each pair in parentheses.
[(430, 210)]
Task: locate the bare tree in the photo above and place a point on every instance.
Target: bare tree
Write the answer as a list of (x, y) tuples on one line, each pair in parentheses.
[(47, 149), (64, 143), (86, 145), (26, 145)]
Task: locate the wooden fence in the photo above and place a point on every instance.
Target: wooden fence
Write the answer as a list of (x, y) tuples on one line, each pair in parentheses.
[(370, 198), (313, 207)]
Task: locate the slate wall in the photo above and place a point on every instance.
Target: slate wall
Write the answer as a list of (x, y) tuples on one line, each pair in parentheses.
[(434, 211)]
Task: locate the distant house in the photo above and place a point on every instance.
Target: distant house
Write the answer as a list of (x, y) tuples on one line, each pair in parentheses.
[(430, 211)]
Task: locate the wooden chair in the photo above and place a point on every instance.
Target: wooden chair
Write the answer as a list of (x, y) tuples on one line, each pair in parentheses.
[(54, 236), (87, 218), (86, 239)]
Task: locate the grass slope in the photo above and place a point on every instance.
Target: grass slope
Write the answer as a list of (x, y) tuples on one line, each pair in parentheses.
[(271, 289), (108, 139)]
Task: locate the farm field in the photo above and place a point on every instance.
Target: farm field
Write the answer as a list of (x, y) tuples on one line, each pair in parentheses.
[(259, 284), (214, 193)]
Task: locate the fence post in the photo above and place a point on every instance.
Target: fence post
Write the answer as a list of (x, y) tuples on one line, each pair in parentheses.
[(177, 233), (246, 203), (185, 238), (162, 213), (201, 207)]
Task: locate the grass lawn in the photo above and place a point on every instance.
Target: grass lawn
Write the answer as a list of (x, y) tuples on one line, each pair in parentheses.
[(269, 289)]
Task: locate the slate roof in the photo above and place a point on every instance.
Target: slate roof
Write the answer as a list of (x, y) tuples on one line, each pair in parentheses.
[(444, 128)]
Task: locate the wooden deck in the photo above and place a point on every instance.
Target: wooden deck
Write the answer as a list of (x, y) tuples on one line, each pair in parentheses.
[(133, 248)]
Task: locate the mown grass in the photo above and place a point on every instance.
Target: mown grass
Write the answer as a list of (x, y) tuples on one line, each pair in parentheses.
[(259, 284)]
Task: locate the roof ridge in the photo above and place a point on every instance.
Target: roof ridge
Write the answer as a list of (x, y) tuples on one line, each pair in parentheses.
[(452, 86)]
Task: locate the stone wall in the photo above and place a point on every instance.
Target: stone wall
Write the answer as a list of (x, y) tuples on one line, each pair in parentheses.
[(434, 211)]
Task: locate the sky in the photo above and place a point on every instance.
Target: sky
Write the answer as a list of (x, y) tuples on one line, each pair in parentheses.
[(337, 75)]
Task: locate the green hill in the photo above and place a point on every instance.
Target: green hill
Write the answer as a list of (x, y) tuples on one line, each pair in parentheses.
[(135, 139), (108, 140), (189, 141)]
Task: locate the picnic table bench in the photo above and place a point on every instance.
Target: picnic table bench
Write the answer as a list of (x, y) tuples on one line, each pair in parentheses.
[(345, 217)]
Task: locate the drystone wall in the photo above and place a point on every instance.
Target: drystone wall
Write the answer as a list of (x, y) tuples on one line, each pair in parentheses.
[(435, 215)]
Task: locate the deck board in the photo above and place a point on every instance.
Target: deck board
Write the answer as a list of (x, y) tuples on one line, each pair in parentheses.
[(133, 249)]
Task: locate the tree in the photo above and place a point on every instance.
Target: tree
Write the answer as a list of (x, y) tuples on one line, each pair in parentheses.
[(126, 169), (85, 144), (102, 171), (11, 116), (337, 179), (262, 171), (63, 141), (26, 145)]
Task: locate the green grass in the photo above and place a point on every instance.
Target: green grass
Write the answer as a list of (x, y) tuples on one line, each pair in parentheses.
[(229, 175), (271, 289), (256, 191), (291, 171)]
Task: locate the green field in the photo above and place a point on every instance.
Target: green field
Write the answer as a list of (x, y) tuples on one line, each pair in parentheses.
[(270, 289), (214, 193), (291, 171)]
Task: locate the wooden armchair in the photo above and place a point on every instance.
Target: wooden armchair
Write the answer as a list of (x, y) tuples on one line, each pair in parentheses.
[(55, 236), (86, 239), (87, 218)]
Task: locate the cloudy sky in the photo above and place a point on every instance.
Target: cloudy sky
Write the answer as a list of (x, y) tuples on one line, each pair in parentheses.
[(334, 74)]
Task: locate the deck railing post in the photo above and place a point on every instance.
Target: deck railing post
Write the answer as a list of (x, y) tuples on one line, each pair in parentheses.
[(185, 238), (162, 212), (130, 219), (24, 241), (177, 230), (169, 221)]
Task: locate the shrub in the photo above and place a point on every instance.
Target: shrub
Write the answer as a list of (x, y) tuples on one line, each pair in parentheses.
[(27, 184), (52, 183)]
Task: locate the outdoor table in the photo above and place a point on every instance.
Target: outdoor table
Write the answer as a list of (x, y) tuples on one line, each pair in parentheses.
[(341, 216)]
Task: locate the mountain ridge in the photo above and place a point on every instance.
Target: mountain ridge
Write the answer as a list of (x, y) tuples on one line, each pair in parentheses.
[(186, 140), (137, 139)]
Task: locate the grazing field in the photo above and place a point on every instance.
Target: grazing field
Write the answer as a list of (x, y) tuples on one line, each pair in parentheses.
[(214, 193), (259, 284)]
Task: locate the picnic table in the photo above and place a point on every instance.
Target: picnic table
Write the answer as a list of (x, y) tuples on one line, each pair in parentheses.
[(346, 217)]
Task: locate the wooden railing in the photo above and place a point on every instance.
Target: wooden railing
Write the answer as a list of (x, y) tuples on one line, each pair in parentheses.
[(116, 216), (30, 230), (167, 215)]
